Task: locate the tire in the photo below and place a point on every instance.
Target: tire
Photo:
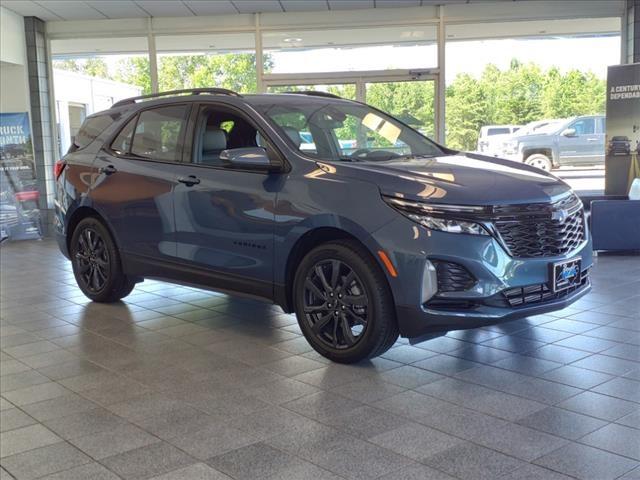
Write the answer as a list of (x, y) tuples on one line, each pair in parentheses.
[(350, 315), (540, 161), (96, 263)]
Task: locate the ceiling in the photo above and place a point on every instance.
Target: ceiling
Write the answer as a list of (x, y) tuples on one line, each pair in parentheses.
[(57, 10)]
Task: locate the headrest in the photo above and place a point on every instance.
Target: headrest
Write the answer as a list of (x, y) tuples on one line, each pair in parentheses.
[(214, 139), (294, 135)]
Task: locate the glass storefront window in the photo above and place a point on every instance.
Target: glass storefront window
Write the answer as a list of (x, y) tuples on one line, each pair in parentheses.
[(91, 75), (532, 84)]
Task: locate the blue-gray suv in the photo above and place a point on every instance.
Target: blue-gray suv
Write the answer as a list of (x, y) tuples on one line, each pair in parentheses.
[(330, 208)]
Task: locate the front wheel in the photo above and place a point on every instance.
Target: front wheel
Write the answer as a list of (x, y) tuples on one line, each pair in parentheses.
[(96, 263), (540, 161), (343, 303)]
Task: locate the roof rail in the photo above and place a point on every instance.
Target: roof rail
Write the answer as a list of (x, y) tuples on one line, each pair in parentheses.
[(190, 91), (315, 93)]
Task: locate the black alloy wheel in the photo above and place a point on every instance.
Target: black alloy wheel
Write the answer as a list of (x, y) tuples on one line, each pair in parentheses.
[(335, 304), (96, 262), (344, 303), (92, 259)]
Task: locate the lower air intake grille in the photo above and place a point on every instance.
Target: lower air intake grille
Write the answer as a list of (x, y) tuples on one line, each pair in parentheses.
[(453, 277), (521, 296)]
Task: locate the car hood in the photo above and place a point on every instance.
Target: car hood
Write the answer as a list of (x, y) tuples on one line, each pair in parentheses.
[(533, 136), (464, 178)]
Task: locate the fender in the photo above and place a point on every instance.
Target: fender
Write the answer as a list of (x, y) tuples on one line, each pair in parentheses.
[(285, 245)]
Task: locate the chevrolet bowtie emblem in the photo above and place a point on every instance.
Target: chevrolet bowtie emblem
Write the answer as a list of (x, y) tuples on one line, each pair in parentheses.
[(560, 215)]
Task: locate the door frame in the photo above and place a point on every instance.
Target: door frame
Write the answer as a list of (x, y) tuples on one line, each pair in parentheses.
[(360, 79)]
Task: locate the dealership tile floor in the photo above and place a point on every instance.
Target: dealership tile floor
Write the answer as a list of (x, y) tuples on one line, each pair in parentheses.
[(178, 383)]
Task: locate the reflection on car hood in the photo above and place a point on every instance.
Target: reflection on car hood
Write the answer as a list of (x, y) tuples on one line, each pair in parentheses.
[(465, 178)]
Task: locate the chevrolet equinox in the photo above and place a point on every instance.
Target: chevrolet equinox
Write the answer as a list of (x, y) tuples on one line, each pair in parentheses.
[(329, 208)]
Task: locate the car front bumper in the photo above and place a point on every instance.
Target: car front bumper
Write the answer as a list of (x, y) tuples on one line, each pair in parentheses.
[(412, 248)]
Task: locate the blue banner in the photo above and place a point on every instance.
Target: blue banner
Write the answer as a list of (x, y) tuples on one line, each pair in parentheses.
[(19, 193)]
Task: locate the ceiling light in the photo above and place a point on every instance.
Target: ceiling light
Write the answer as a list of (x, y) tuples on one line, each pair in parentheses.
[(292, 40)]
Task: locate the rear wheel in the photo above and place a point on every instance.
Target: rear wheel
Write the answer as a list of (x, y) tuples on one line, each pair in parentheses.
[(96, 263), (540, 161), (343, 303)]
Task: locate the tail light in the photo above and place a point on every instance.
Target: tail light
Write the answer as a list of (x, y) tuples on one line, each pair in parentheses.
[(58, 168), (29, 195)]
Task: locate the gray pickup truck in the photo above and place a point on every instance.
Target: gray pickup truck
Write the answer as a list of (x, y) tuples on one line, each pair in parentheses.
[(575, 141)]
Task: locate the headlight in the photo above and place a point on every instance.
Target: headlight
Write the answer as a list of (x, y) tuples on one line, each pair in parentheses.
[(439, 217), (510, 147)]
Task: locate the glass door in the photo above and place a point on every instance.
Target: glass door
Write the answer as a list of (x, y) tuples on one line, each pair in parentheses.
[(344, 90), (410, 97), (410, 101)]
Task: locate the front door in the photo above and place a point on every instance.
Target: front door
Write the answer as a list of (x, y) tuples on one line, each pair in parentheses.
[(225, 216), (136, 178), (583, 146)]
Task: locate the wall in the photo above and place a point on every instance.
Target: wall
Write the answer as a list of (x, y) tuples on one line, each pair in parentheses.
[(11, 37), (14, 96), (13, 88)]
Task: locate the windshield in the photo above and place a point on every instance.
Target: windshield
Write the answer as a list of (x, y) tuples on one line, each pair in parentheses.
[(544, 126), (344, 131)]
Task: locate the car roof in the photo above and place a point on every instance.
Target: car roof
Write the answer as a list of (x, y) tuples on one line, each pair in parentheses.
[(138, 103)]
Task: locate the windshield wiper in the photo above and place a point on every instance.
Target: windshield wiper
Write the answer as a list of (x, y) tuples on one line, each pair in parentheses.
[(414, 157)]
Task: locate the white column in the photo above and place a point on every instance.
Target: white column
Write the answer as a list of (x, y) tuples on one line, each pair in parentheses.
[(440, 94), (153, 57), (259, 55)]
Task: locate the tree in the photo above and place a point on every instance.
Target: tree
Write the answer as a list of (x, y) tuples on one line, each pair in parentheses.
[(94, 67), (466, 111), (518, 95)]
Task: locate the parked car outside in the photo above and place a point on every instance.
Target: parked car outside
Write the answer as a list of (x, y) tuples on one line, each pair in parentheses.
[(362, 246), (619, 145), (577, 141), (492, 136)]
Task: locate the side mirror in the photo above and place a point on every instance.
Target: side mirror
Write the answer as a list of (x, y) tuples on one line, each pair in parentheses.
[(251, 158), (569, 132)]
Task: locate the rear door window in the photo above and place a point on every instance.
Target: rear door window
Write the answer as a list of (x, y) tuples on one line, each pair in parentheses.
[(158, 133)]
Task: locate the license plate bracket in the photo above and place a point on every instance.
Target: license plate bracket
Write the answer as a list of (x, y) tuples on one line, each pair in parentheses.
[(565, 274)]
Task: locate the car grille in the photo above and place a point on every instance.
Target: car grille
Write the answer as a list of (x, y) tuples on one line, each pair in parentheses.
[(531, 294), (541, 230), (453, 277)]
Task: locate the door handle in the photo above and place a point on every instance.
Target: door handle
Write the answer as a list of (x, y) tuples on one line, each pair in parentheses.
[(190, 180), (592, 139), (108, 170)]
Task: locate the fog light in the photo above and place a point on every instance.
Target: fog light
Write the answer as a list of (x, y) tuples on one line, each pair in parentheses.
[(429, 282)]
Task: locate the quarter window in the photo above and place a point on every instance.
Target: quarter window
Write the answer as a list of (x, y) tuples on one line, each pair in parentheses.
[(90, 130)]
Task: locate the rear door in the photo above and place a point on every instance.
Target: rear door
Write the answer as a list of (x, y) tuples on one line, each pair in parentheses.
[(137, 176), (225, 215)]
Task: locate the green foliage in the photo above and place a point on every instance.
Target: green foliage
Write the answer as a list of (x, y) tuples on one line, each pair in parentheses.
[(411, 102), (94, 67), (519, 95)]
